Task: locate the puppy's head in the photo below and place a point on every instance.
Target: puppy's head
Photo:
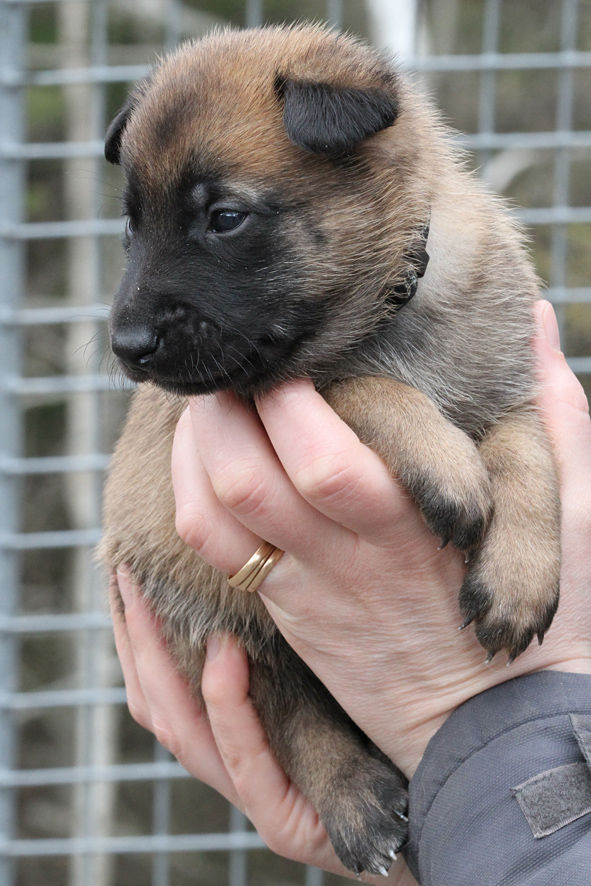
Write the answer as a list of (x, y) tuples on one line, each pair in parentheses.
[(271, 198)]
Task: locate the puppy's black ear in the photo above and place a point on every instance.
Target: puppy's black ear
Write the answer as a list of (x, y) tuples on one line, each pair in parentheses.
[(115, 132), (333, 120)]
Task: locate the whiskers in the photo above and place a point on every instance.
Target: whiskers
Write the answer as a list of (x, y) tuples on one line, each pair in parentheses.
[(118, 381)]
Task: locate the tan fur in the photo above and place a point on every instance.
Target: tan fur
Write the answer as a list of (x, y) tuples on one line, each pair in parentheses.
[(441, 388), (146, 539), (387, 415), (520, 554)]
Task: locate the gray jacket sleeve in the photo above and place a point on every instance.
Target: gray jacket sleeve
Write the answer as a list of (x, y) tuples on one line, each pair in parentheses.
[(502, 796)]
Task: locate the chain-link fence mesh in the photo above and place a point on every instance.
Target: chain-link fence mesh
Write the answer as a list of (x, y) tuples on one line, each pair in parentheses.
[(86, 796)]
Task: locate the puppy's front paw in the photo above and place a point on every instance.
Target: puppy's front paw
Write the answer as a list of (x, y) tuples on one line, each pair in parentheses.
[(455, 512), (444, 473), (511, 587), (511, 591), (437, 462), (455, 499), (366, 817)]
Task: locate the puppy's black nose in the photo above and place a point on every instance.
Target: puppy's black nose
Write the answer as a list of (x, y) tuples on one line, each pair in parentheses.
[(135, 346)]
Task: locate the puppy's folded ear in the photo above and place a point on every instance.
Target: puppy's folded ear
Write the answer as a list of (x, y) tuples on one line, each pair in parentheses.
[(332, 120), (115, 132)]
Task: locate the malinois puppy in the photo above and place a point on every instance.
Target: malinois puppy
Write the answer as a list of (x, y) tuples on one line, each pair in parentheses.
[(295, 208)]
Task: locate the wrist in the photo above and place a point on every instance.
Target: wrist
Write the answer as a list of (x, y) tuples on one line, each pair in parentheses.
[(428, 715)]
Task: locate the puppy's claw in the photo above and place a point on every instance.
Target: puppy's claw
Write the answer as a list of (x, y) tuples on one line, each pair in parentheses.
[(490, 656), (383, 871), (401, 816), (465, 623), (444, 542), (541, 635), (392, 855), (511, 659)]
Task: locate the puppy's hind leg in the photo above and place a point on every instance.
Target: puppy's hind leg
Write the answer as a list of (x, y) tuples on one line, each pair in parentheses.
[(360, 796), (511, 587)]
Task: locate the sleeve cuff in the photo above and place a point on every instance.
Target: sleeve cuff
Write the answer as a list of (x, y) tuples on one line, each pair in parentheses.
[(503, 791)]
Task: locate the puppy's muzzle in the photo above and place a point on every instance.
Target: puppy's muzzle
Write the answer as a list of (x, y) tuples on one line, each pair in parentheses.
[(191, 355)]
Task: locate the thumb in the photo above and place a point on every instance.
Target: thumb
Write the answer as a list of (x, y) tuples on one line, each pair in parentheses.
[(562, 400)]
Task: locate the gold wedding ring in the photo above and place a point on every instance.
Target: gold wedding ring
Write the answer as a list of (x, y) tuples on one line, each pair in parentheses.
[(254, 572)]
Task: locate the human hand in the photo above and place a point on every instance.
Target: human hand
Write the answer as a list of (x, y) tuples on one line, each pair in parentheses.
[(226, 747), (363, 591)]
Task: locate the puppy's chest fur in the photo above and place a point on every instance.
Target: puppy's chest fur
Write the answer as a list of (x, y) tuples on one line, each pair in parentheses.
[(276, 182)]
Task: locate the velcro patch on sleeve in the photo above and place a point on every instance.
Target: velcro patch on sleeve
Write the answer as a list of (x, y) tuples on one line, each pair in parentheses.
[(581, 724), (555, 798)]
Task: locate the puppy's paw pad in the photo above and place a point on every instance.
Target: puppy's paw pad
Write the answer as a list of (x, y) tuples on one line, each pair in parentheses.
[(367, 823)]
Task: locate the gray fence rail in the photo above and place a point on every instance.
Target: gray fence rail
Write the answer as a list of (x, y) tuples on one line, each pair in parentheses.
[(75, 774)]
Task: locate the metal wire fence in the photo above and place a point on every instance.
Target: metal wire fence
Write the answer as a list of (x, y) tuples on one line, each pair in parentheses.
[(85, 796)]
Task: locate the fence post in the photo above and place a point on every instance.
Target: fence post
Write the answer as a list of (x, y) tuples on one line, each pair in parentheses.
[(12, 41)]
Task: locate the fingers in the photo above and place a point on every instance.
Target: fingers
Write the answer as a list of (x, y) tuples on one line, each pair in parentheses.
[(566, 413), (311, 478), (159, 698), (135, 696), (283, 817), (234, 722), (301, 477), (248, 481), (233, 755), (329, 466), (562, 400), (202, 521)]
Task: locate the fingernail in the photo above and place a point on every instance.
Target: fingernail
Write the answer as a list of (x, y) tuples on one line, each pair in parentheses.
[(551, 327), (125, 585), (214, 644)]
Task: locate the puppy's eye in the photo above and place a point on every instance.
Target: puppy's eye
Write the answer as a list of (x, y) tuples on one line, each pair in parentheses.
[(224, 220), (128, 233)]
